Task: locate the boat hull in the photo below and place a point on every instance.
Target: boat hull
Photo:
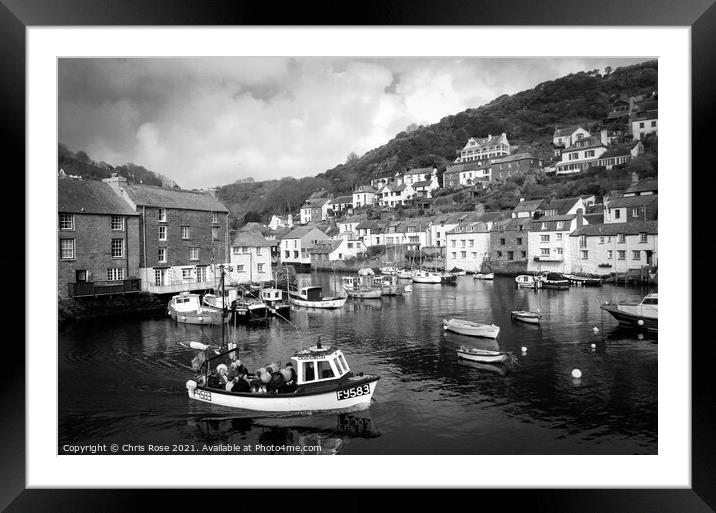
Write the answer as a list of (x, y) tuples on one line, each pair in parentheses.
[(484, 277), (426, 279), (364, 294), (484, 331), (632, 320), (325, 304), (337, 399), (482, 357), (526, 317), (203, 317), (555, 285)]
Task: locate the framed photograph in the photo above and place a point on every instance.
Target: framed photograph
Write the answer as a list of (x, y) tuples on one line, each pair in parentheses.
[(427, 244)]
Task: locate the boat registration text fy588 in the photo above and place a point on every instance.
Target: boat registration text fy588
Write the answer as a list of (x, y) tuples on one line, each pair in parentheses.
[(353, 392)]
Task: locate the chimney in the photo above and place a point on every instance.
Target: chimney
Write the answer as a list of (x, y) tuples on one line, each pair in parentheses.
[(634, 177), (604, 137), (115, 182), (580, 218)]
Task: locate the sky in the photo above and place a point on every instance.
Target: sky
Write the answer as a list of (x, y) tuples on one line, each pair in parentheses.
[(213, 120)]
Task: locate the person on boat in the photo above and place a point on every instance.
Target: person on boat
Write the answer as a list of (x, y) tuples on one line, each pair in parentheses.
[(235, 369), (290, 377), (277, 381), (219, 379), (241, 384)]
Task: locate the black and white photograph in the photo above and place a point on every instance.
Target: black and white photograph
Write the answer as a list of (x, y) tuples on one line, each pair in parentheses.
[(357, 255)]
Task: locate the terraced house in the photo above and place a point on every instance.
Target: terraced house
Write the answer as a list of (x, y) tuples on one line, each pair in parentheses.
[(98, 241), (183, 236), (250, 259), (548, 242), (485, 148)]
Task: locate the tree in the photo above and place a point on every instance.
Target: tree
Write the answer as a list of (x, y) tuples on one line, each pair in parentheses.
[(351, 157)]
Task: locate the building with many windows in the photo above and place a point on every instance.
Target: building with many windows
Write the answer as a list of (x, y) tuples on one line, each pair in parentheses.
[(295, 245), (485, 148), (467, 246), (548, 242), (183, 235), (250, 258), (98, 240)]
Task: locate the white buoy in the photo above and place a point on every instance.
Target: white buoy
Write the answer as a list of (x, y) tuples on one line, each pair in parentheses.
[(593, 346), (640, 322), (576, 373), (595, 329), (524, 349)]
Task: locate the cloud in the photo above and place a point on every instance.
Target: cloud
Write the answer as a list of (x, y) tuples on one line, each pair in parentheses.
[(210, 121)]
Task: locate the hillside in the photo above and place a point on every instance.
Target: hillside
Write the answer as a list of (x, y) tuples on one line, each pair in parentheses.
[(80, 164), (528, 117)]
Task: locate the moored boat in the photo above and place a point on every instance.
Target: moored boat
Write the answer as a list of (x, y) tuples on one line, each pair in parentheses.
[(458, 272), (361, 287), (482, 355), (389, 270), (643, 314), (527, 316), (187, 308), (422, 276), (389, 285), (481, 276), (273, 299), (448, 278), (527, 281), (312, 297), (404, 274), (473, 329), (322, 381), (555, 281)]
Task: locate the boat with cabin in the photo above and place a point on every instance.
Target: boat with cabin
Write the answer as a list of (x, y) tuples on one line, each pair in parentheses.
[(273, 299), (423, 276), (470, 328), (362, 286), (528, 281), (554, 281), (642, 314), (187, 308), (323, 381), (312, 297), (389, 285)]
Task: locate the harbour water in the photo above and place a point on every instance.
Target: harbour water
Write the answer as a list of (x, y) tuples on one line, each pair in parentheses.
[(122, 380)]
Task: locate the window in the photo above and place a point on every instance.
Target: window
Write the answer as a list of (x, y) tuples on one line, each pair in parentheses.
[(621, 238), (621, 255), (524, 254), (193, 253), (162, 233), (454, 243), (258, 251), (499, 254), (510, 255), (502, 241), (589, 153), (115, 274), (215, 232), (67, 222), (544, 238), (117, 248), (67, 249), (560, 225), (201, 273), (162, 254), (159, 277), (544, 251), (601, 240), (80, 276), (585, 254), (544, 226), (559, 251), (186, 273), (519, 241), (162, 215), (610, 254), (558, 236), (324, 370), (454, 254), (643, 237), (214, 218), (617, 213), (240, 268), (582, 241), (185, 232), (463, 254), (635, 212), (472, 243), (636, 255), (288, 253), (641, 125), (653, 124), (260, 267), (117, 223), (309, 374), (295, 254)]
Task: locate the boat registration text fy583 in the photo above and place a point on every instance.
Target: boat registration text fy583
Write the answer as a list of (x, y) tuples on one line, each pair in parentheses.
[(353, 392), (202, 394)]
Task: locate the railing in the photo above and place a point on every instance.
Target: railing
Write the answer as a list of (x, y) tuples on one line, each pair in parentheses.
[(103, 288)]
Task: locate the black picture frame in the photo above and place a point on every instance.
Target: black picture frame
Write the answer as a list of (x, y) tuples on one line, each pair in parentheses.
[(17, 15)]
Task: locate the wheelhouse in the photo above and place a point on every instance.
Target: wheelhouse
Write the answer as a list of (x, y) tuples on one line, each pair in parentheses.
[(272, 294), (312, 293), (320, 365), (185, 302), (651, 299)]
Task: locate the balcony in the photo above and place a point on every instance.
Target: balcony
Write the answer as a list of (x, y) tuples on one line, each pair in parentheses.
[(180, 285), (103, 288), (549, 258)]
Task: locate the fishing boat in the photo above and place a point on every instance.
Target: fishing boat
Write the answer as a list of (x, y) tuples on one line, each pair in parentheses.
[(555, 281), (361, 287), (643, 314), (389, 285), (323, 382), (473, 329), (423, 276), (458, 272), (583, 281), (273, 299), (221, 300), (187, 308), (527, 316), (527, 281), (449, 278), (482, 355), (481, 276), (312, 297)]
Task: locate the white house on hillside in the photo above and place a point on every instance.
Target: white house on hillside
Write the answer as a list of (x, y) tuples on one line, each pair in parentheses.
[(467, 245), (364, 196), (296, 243), (392, 195), (548, 248), (281, 222), (568, 136), (583, 154), (488, 147)]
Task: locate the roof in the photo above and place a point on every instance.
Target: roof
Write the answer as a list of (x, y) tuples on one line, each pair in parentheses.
[(619, 150), (563, 205), (530, 205), (318, 194), (473, 165), (513, 223), (644, 115), (366, 189), (491, 140), (616, 114), (515, 156), (250, 239), (90, 197), (552, 222), (592, 141), (325, 247), (352, 219), (395, 188), (567, 130), (155, 196), (369, 225), (281, 231), (643, 185), (419, 171), (342, 199), (476, 226), (252, 227), (422, 183), (300, 231), (315, 202), (633, 201), (595, 218), (632, 228)]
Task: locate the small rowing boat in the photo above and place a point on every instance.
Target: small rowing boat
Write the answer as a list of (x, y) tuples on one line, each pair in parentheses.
[(482, 355), (470, 328), (527, 316), (481, 276)]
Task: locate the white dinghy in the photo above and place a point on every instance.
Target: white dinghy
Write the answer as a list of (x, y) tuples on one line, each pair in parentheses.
[(473, 329)]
